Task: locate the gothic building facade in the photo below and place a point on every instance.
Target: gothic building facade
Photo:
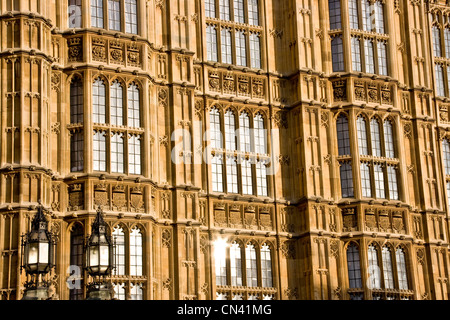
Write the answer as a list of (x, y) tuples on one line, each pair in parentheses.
[(239, 149)]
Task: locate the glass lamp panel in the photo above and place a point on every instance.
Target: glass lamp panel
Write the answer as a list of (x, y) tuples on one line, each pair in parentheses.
[(44, 252), (33, 251), (104, 255)]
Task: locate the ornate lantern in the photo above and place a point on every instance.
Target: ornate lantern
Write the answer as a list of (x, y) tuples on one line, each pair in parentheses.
[(99, 249), (38, 246)]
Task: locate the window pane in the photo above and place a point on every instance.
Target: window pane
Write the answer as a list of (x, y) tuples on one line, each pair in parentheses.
[(382, 58), (244, 132), (116, 104), (114, 14), (117, 153), (99, 101), (97, 13), (366, 187), (446, 155), (393, 184), (374, 269), (447, 42), (217, 173), (220, 260), (353, 14), (241, 49), (76, 101), (210, 8), (76, 260), (354, 269), (379, 181), (253, 15), (266, 267), (76, 152), (337, 54), (236, 265), (260, 136), (239, 15), (334, 7), (224, 9), (232, 175), (227, 53), (440, 88), (343, 135), (247, 177), (346, 180), (134, 109), (436, 41), (369, 54), (215, 130), (389, 139), (211, 43), (136, 250), (134, 155), (251, 266), (379, 16), (119, 253), (131, 16), (401, 269), (261, 178), (375, 137), (137, 292), (74, 13), (356, 54), (99, 151), (230, 131), (387, 268), (362, 135), (120, 291), (255, 51)]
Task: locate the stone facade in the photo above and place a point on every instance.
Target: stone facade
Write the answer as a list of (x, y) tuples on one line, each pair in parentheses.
[(304, 220)]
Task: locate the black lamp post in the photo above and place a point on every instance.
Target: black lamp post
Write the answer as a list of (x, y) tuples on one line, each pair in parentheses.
[(99, 259), (38, 254)]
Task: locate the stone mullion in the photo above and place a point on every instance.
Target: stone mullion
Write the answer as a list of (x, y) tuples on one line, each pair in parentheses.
[(86, 14), (389, 18), (346, 41), (145, 123), (355, 152)]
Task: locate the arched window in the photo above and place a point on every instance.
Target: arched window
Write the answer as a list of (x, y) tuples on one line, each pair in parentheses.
[(119, 253), (76, 101), (116, 103), (220, 260), (76, 262), (136, 291), (236, 264), (211, 42), (260, 136), (136, 252), (375, 137), (251, 265), (389, 139), (353, 266), (362, 135), (436, 32), (230, 131), (244, 132), (343, 135), (388, 273), (216, 136), (374, 268), (402, 273), (99, 101), (134, 109), (266, 267)]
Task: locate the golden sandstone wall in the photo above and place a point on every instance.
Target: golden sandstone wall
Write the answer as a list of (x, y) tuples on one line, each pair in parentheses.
[(304, 220)]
